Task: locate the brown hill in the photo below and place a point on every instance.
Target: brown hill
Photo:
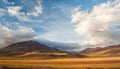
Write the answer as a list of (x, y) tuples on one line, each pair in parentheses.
[(113, 50), (27, 47)]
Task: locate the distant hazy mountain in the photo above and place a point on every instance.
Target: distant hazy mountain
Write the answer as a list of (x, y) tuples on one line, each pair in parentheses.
[(113, 50), (71, 47)]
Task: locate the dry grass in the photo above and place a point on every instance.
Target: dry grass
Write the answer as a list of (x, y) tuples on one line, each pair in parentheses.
[(39, 53), (71, 63)]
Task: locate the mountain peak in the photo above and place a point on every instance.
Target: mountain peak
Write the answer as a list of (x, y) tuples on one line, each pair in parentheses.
[(29, 46)]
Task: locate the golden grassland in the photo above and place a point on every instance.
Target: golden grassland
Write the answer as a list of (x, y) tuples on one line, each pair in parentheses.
[(69, 63)]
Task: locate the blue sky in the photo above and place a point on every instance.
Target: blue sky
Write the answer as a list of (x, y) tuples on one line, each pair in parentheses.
[(48, 19), (54, 20)]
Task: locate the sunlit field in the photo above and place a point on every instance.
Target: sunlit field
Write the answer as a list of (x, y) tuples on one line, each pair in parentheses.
[(66, 63)]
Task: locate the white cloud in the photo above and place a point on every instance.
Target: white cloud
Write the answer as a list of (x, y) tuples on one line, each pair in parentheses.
[(25, 16), (37, 9), (24, 32), (14, 10), (2, 12), (101, 25), (7, 2), (9, 36)]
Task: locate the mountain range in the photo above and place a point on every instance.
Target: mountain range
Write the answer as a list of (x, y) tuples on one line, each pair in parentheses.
[(34, 49), (113, 50), (49, 50)]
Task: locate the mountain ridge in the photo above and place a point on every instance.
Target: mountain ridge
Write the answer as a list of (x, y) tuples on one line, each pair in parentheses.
[(34, 49), (28, 46), (113, 50)]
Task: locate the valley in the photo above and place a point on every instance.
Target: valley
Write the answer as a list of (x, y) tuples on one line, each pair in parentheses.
[(64, 63)]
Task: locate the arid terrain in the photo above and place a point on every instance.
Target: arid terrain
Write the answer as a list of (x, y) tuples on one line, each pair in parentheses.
[(33, 55), (66, 63)]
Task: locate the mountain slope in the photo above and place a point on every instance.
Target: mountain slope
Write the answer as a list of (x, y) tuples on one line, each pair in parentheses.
[(33, 49), (25, 47), (113, 50)]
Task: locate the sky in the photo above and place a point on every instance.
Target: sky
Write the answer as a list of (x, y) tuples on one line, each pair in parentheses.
[(85, 22)]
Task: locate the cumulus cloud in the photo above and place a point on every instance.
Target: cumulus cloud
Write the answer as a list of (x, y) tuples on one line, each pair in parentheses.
[(37, 10), (24, 32), (2, 12), (7, 2), (101, 25), (25, 16), (15, 11), (9, 36)]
